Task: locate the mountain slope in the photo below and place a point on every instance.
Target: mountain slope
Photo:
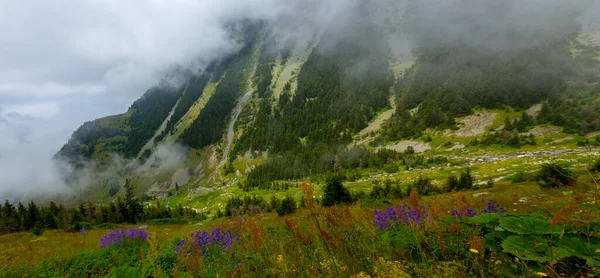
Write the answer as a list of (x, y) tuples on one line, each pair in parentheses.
[(312, 92)]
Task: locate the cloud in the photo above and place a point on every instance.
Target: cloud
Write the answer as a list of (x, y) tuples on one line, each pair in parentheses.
[(68, 62), (43, 109)]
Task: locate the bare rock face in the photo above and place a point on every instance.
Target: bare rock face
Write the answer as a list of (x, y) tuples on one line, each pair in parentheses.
[(401, 146), (473, 125)]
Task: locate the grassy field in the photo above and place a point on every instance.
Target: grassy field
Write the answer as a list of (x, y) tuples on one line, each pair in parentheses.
[(344, 241)]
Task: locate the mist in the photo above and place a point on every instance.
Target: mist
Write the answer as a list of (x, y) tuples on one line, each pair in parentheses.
[(65, 63)]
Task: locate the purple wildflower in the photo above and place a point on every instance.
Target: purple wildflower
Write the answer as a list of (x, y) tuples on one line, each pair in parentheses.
[(493, 207), (202, 241), (83, 230), (403, 214), (118, 236), (465, 212)]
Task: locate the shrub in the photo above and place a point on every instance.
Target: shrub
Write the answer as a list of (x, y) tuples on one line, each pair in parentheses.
[(423, 186), (167, 221), (287, 206), (521, 177), (554, 175), (596, 166), (391, 168)]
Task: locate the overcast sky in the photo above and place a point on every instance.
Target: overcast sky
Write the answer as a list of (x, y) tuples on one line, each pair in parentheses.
[(66, 62)]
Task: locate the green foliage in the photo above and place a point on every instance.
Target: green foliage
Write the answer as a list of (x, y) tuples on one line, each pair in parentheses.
[(287, 206), (595, 167), (465, 180), (423, 186), (528, 225), (335, 192), (520, 176), (237, 206), (192, 92), (332, 101), (149, 112), (208, 128), (167, 221), (554, 175), (387, 191)]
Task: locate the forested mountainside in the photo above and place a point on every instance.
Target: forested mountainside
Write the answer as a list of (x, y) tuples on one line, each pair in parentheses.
[(123, 134), (315, 91), (491, 66)]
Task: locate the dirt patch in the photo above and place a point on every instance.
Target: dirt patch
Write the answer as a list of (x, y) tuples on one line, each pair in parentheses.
[(540, 131), (456, 146), (401, 146), (563, 139), (534, 110), (593, 134), (473, 125)]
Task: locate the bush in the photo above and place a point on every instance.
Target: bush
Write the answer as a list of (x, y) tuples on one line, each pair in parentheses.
[(167, 221), (391, 168), (595, 167), (106, 226), (423, 186), (521, 177), (554, 175), (287, 206)]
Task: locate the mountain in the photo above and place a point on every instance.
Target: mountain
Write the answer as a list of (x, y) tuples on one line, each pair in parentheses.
[(299, 99)]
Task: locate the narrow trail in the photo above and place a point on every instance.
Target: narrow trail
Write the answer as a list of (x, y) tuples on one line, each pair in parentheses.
[(231, 131)]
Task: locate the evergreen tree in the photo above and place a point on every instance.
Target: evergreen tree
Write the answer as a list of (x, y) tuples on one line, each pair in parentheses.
[(451, 183), (465, 180), (33, 217), (133, 207), (335, 192)]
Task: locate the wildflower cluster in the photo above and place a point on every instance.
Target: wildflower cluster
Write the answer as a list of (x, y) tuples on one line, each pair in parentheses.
[(465, 212), (403, 214), (491, 207), (203, 242), (119, 236)]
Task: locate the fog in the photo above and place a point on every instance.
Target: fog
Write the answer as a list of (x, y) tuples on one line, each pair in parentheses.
[(67, 62)]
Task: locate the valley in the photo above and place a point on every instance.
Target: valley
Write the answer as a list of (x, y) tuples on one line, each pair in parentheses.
[(389, 139)]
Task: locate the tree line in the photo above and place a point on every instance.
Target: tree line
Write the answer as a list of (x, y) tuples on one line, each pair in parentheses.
[(35, 218)]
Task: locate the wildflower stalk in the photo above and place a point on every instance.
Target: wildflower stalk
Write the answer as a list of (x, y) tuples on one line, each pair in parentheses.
[(323, 240)]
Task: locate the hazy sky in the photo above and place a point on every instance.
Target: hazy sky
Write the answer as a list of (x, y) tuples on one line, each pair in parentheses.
[(66, 62), (63, 63)]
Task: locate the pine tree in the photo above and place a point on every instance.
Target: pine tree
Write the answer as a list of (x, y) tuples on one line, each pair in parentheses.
[(134, 208), (335, 192), (465, 180)]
